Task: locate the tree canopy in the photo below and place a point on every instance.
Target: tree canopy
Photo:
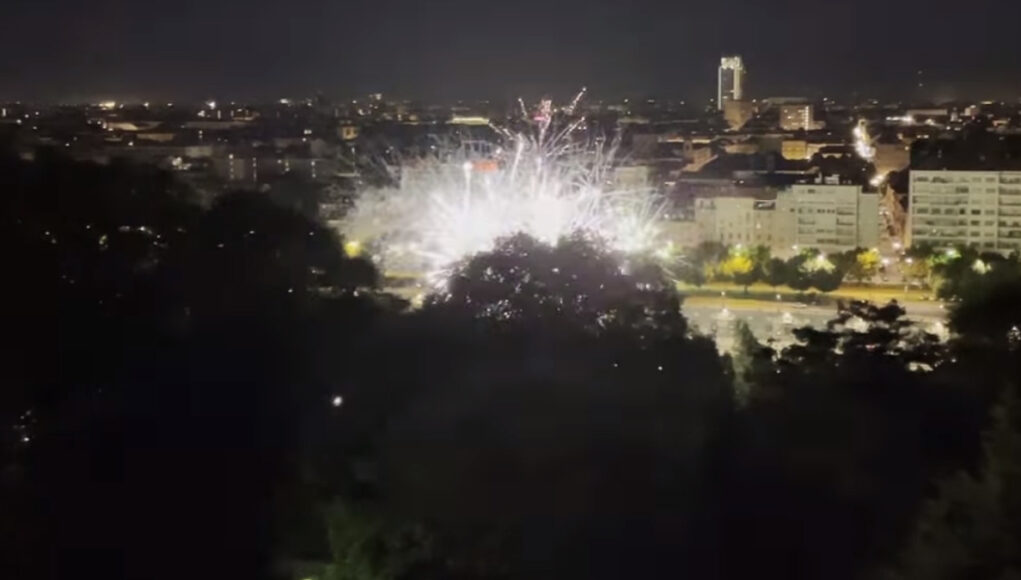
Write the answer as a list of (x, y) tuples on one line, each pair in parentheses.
[(223, 391)]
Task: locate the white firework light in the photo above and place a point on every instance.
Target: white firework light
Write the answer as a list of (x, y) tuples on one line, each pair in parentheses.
[(545, 182)]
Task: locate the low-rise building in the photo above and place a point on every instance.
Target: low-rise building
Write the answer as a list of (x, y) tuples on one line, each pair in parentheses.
[(891, 157), (735, 220), (795, 149), (255, 168), (799, 117), (738, 113)]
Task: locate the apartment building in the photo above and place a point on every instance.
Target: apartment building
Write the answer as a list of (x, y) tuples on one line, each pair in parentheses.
[(830, 217), (981, 209)]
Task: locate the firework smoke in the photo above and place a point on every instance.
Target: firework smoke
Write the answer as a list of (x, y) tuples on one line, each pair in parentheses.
[(545, 182)]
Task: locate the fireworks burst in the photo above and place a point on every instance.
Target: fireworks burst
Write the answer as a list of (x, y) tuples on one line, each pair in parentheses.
[(862, 142), (545, 181)]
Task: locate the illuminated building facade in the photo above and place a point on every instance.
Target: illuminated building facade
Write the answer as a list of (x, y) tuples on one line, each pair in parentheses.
[(827, 217), (731, 80), (981, 209), (797, 117)]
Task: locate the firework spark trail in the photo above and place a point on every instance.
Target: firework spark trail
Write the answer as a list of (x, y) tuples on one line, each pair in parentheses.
[(548, 184), (862, 143), (574, 102)]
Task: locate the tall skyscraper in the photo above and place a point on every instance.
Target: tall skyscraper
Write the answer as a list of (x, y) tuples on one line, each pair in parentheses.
[(731, 81)]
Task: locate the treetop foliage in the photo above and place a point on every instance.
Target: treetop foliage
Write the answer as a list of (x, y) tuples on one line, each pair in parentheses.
[(222, 391)]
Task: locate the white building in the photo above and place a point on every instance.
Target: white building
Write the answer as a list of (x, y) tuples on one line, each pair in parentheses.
[(828, 217), (735, 220), (832, 218), (974, 208), (632, 177), (731, 80)]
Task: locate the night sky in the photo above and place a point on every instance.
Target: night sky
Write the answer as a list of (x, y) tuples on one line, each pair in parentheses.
[(439, 49)]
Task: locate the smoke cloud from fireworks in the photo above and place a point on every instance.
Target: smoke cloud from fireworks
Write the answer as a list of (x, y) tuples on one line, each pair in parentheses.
[(545, 181)]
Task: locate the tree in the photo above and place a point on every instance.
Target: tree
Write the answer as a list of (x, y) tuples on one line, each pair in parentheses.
[(81, 244), (863, 264), (963, 271), (551, 416), (294, 192), (989, 310), (246, 251), (798, 276), (525, 281), (739, 267), (709, 252), (706, 258), (917, 264), (971, 529), (366, 546), (775, 272), (761, 256), (751, 360), (821, 272), (827, 280), (843, 432), (693, 274), (190, 344)]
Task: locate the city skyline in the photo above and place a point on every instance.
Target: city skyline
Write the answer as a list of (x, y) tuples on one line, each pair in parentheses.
[(456, 50)]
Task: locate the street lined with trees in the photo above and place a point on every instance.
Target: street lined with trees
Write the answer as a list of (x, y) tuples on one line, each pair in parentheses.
[(744, 266)]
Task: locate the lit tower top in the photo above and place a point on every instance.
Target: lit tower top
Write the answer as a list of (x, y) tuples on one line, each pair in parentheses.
[(731, 80)]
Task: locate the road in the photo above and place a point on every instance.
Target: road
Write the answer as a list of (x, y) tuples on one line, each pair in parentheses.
[(774, 321)]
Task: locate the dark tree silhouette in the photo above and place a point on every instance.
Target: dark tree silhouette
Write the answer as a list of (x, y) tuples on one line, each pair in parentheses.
[(161, 384), (576, 282), (550, 418), (846, 432), (775, 272), (221, 392), (971, 529)]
